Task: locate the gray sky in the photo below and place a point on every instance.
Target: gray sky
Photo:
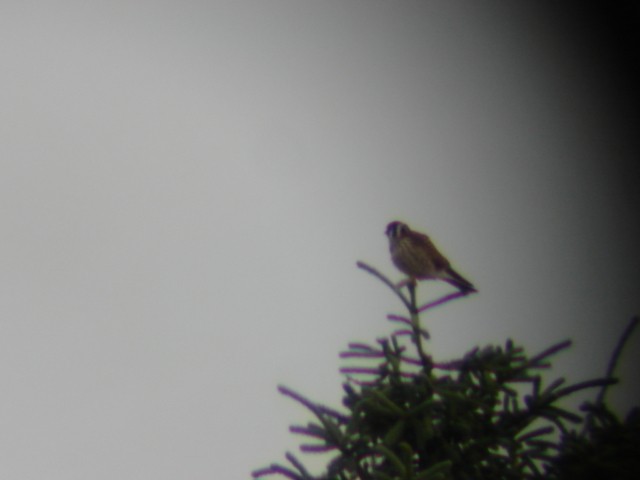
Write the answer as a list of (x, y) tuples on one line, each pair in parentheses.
[(185, 188)]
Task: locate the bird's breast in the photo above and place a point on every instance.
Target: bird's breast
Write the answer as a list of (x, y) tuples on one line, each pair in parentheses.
[(411, 259)]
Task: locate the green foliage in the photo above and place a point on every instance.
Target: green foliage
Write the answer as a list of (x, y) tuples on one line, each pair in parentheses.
[(411, 418), (609, 448)]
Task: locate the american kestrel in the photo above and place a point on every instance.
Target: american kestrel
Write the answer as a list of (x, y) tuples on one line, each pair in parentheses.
[(415, 255)]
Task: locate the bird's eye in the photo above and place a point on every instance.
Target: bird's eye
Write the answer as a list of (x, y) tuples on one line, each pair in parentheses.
[(390, 231), (395, 230)]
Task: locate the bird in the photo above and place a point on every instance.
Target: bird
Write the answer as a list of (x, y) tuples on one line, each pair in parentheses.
[(414, 254)]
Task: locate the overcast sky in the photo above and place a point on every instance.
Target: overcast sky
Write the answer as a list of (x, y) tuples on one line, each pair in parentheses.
[(185, 187)]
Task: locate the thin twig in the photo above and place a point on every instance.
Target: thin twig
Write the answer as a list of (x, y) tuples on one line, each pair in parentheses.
[(633, 323), (398, 318), (442, 300), (359, 346), (410, 304), (307, 448), (599, 382), (276, 469), (360, 370), (296, 463), (546, 353), (318, 410), (310, 431), (361, 354), (387, 282), (418, 332)]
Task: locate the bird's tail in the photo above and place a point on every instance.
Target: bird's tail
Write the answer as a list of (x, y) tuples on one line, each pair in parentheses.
[(458, 281)]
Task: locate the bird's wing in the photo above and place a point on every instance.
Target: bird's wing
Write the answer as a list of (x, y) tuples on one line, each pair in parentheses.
[(459, 281), (439, 261)]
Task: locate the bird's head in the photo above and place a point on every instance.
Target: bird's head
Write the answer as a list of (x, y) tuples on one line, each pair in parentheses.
[(396, 230)]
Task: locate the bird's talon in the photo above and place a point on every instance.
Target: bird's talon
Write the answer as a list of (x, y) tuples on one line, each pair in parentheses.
[(407, 282)]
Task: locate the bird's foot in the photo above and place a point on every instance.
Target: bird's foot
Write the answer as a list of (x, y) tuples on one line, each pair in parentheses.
[(410, 282)]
